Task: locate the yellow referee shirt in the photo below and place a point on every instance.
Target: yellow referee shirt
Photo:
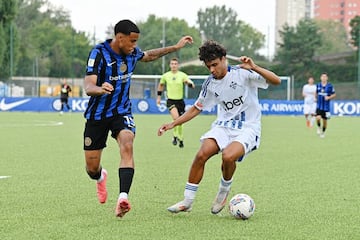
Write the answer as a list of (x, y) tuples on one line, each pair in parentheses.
[(174, 84)]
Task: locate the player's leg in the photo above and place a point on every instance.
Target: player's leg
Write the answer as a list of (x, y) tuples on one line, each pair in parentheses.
[(208, 149), (123, 129), (180, 107), (96, 172), (174, 115), (312, 114), (67, 104), (306, 114), (324, 126), (318, 121), (230, 156), (62, 106), (180, 135), (307, 120), (175, 134), (95, 136)]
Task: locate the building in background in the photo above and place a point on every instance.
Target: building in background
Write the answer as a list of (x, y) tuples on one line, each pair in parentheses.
[(292, 11), (339, 10)]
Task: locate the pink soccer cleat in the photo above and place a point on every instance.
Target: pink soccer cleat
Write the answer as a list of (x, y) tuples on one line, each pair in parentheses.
[(101, 188), (122, 207)]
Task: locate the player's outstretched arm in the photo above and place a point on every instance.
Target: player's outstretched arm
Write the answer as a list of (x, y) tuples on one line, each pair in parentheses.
[(270, 76), (153, 54), (187, 116)]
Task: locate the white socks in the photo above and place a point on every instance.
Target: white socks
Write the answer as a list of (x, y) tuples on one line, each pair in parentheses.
[(190, 192)]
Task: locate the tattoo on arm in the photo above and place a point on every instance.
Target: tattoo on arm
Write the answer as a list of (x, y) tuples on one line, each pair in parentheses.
[(158, 52)]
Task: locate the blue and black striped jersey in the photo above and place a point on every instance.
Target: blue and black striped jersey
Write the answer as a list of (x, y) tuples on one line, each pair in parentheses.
[(117, 70), (323, 91)]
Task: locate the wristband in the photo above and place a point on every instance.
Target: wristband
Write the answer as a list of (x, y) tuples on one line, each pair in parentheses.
[(159, 93)]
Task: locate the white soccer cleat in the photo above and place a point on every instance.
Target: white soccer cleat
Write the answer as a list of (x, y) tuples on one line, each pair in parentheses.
[(179, 207), (219, 202), (322, 135)]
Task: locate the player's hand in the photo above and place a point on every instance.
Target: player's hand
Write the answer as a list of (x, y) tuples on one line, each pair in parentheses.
[(161, 130), (107, 88), (164, 128), (247, 63), (183, 41)]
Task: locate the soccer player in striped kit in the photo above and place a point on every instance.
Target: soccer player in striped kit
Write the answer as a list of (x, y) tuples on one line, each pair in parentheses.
[(109, 69), (325, 91), (237, 129)]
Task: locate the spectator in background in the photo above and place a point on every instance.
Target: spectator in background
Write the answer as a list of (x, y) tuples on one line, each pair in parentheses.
[(325, 92), (64, 96), (174, 80), (309, 94)]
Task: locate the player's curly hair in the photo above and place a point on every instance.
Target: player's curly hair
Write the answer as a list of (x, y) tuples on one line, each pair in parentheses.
[(211, 50)]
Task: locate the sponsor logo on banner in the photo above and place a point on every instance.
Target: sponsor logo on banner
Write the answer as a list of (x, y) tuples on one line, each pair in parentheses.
[(149, 106), (346, 108), (6, 106), (143, 106)]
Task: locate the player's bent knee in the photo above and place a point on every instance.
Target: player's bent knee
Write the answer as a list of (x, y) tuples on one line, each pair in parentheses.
[(228, 156)]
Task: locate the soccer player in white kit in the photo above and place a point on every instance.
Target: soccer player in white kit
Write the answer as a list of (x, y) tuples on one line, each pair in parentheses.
[(309, 94), (237, 129)]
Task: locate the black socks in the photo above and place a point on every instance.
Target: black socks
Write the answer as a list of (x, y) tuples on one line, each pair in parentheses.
[(125, 179)]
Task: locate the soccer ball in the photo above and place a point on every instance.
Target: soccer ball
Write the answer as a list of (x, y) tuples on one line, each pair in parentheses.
[(241, 206)]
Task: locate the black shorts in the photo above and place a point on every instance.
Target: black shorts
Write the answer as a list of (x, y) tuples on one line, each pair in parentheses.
[(96, 131), (64, 100), (179, 104), (324, 115)]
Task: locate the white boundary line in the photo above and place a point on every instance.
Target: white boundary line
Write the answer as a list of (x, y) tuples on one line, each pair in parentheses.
[(3, 177), (36, 124)]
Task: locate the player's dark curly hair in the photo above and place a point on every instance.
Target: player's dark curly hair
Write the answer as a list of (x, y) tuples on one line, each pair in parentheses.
[(211, 50)]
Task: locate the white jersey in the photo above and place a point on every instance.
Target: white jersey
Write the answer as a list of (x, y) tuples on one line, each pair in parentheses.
[(309, 93), (237, 97)]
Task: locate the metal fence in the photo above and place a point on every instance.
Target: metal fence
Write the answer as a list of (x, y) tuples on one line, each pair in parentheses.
[(145, 86)]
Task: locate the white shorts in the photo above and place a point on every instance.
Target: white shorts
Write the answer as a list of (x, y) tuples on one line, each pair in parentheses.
[(310, 108), (224, 136)]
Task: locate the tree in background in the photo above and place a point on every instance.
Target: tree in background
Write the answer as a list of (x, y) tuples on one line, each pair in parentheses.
[(151, 36), (53, 48), (221, 24), (298, 46), (8, 37), (355, 31), (334, 37), (44, 42), (37, 39)]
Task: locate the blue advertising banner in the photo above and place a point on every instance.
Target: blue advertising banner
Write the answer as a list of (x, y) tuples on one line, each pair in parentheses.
[(148, 106)]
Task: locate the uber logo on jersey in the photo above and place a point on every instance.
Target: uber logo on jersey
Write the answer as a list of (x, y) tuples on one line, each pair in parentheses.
[(231, 104)]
